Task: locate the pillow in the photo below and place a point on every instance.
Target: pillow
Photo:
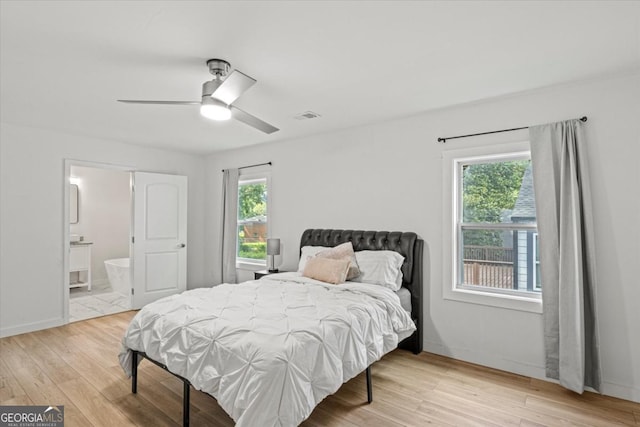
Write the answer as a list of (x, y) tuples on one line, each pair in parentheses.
[(327, 269), (343, 251), (399, 279), (307, 253), (380, 268)]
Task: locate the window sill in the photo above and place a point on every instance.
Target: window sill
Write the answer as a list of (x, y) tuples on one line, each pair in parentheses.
[(250, 266), (510, 302)]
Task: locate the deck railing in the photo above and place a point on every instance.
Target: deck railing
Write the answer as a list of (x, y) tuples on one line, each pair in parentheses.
[(488, 253), (490, 266)]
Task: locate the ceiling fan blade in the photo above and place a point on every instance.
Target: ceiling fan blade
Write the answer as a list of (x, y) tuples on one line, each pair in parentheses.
[(252, 121), (135, 101), (233, 86)]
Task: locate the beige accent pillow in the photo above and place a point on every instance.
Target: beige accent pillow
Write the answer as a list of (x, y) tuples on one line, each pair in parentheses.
[(327, 270), (343, 251)]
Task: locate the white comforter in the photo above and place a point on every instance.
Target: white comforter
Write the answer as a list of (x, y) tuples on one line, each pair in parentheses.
[(269, 350)]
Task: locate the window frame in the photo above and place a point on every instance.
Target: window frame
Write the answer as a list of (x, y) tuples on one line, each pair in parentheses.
[(243, 179), (452, 228), (535, 247)]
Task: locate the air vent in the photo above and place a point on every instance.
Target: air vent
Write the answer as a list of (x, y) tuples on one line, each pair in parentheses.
[(307, 115)]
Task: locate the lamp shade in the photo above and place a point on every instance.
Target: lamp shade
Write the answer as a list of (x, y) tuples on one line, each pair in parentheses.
[(273, 246)]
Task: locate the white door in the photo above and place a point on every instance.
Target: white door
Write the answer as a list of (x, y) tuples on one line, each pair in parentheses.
[(159, 236)]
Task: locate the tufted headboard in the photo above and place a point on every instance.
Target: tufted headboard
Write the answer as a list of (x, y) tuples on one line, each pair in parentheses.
[(407, 244)]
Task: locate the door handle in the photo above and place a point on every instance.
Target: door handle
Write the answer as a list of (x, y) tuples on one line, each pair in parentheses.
[(182, 245)]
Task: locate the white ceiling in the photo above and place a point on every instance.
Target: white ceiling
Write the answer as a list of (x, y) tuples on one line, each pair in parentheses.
[(64, 63)]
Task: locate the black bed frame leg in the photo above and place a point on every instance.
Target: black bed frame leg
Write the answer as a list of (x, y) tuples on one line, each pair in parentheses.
[(185, 404), (369, 388), (134, 372)]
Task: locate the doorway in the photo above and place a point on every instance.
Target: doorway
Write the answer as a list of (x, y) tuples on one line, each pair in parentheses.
[(121, 252), (99, 235)]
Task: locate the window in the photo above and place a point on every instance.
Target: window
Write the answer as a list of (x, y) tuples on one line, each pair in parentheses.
[(492, 228), (252, 219)]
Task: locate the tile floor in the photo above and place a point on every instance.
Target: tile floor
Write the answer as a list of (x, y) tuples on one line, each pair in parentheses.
[(99, 302)]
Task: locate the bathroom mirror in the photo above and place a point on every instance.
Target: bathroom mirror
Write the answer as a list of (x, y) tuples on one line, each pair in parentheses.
[(73, 204)]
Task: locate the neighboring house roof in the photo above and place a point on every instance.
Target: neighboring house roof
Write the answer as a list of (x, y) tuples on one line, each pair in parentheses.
[(259, 218), (525, 207)]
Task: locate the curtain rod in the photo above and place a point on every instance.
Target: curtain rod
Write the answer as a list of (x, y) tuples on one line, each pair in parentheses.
[(253, 166), (444, 140)]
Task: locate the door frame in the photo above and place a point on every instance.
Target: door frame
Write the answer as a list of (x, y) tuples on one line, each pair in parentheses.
[(66, 228)]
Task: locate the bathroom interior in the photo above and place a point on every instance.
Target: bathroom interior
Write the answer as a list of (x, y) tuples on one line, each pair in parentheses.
[(99, 230)]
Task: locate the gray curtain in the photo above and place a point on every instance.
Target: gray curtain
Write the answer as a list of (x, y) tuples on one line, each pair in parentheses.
[(229, 224), (566, 247)]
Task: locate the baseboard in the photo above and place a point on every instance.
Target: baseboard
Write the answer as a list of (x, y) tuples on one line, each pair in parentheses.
[(488, 360), (538, 372), (31, 327), (621, 391)]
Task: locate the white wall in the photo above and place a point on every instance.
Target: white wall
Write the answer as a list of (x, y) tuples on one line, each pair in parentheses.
[(31, 216), (388, 176), (104, 215)]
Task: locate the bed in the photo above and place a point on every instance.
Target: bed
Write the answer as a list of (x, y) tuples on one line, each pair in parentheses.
[(270, 350)]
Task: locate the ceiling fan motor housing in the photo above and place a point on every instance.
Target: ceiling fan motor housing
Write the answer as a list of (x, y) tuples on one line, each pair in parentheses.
[(218, 67)]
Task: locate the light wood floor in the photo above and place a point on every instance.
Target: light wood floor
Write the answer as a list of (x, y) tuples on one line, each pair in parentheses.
[(76, 366)]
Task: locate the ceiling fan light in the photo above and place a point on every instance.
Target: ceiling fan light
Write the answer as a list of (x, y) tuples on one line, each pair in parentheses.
[(213, 109)]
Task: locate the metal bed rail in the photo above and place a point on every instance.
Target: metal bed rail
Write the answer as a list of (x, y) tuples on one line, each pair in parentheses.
[(186, 396)]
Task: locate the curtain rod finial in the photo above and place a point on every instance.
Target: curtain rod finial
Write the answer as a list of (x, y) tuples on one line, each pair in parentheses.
[(583, 118), (443, 140)]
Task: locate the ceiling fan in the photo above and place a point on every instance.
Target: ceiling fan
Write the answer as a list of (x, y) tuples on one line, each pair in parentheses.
[(218, 96)]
